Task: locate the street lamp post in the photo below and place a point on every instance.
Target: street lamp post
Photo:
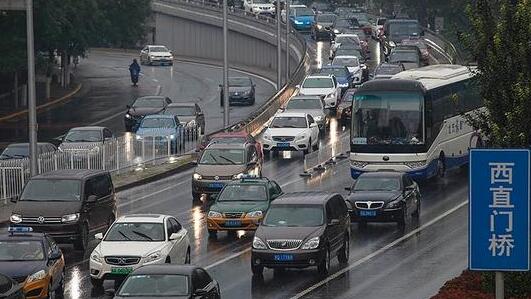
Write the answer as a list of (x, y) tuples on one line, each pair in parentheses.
[(27, 5), (279, 49), (226, 120), (287, 40)]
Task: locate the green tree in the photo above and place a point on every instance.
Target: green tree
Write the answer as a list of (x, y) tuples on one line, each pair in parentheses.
[(499, 42)]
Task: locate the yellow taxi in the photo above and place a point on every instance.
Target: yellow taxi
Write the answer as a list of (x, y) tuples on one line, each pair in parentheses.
[(33, 260)]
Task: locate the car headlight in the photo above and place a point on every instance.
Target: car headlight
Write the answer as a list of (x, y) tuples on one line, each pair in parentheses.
[(197, 176), (258, 244), (172, 136), (70, 218), (127, 115), (319, 27), (254, 214), (95, 257), (311, 244), (392, 44), (15, 218), (300, 137), (171, 57), (152, 57), (297, 22), (191, 123), (416, 164), (138, 137), (394, 204), (36, 276), (153, 257), (237, 176), (214, 214)]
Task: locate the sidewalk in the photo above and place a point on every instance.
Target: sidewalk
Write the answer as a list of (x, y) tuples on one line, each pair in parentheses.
[(124, 181)]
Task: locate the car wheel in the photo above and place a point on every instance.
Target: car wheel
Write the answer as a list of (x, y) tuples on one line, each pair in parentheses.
[(212, 233), (324, 266), (402, 220), (344, 254), (59, 291), (416, 214), (168, 260), (316, 146), (257, 270), (51, 293), (196, 196), (82, 242), (308, 148), (96, 283), (187, 259), (441, 166)]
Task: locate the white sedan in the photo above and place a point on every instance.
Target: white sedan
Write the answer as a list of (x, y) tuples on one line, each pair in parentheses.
[(323, 85), (136, 240), (291, 132)]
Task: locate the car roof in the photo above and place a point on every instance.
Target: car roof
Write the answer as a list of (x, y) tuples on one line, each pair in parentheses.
[(27, 144), (158, 116), (69, 174), (87, 128), (305, 97), (166, 269), (142, 218), (157, 46), (332, 66), (329, 76), (346, 56), (291, 114), (250, 181), (382, 174), (185, 104), (305, 197)]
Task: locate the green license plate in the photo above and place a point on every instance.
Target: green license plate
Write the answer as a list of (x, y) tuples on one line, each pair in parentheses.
[(121, 270)]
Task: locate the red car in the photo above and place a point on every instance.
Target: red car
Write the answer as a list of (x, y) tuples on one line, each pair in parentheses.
[(231, 137)]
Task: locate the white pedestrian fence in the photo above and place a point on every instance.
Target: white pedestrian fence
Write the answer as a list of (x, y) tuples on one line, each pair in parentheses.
[(337, 148), (114, 155)]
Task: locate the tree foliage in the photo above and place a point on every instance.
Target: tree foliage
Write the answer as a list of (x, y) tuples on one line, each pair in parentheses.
[(499, 42)]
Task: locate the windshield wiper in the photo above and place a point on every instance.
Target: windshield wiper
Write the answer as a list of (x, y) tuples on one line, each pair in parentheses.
[(142, 235), (215, 160), (123, 235), (227, 159)]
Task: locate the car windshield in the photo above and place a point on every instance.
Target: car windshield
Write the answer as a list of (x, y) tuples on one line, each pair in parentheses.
[(52, 190), (288, 122), (343, 23), (318, 83), (402, 30), (18, 151), (403, 56), (243, 192), (181, 111), (336, 71), (149, 103), (83, 136), (136, 232), (303, 12), (377, 184), (325, 18), (15, 250), (157, 123), (346, 61), (217, 156), (388, 118), (158, 49), (294, 215), (155, 285), (239, 82), (347, 40), (304, 104)]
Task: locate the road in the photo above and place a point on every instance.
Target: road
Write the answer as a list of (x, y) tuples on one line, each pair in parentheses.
[(107, 90), (385, 261)]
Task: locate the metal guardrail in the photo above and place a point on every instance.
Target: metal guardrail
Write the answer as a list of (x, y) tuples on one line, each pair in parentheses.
[(317, 161), (115, 155)]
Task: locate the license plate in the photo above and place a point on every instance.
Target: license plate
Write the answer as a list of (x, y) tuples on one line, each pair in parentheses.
[(216, 185), (367, 213), (121, 270), (283, 257), (233, 223), (283, 144)]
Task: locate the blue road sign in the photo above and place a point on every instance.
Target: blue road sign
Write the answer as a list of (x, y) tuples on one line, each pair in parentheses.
[(499, 210)]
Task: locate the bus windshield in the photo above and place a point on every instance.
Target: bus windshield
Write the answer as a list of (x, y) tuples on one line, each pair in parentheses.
[(388, 118)]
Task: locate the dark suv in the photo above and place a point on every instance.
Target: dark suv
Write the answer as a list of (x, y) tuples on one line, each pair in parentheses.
[(300, 230), (69, 205)]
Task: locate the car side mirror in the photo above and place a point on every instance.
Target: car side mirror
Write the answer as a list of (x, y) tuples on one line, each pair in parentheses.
[(298, 86), (14, 199), (98, 236), (313, 125), (348, 189), (92, 198), (55, 255), (334, 222), (175, 236)]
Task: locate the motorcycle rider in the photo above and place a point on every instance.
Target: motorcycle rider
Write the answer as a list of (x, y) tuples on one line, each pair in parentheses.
[(134, 70)]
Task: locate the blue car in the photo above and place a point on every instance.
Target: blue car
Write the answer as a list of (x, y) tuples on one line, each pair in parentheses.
[(302, 18), (343, 76), (163, 129)]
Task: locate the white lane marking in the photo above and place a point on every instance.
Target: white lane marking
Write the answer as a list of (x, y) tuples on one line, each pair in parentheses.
[(155, 80), (378, 252), (230, 257), (106, 119), (159, 90), (234, 70), (151, 194)]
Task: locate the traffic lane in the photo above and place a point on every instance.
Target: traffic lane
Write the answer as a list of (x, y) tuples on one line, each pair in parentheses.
[(417, 268), (439, 197)]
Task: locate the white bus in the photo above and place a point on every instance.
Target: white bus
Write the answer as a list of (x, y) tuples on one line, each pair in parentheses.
[(414, 122)]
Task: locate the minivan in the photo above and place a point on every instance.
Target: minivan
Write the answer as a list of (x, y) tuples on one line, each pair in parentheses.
[(69, 205)]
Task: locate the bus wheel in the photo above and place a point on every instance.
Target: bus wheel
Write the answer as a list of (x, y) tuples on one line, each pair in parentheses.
[(441, 166)]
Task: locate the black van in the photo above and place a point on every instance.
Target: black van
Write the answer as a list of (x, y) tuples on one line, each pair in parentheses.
[(69, 205)]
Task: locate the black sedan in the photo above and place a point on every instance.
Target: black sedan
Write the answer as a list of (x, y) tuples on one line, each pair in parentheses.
[(323, 26), (9, 288), (384, 197), (169, 281), (241, 91), (141, 107)]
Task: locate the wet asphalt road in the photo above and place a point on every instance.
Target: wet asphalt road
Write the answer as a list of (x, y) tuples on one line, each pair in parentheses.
[(107, 90), (385, 261)]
